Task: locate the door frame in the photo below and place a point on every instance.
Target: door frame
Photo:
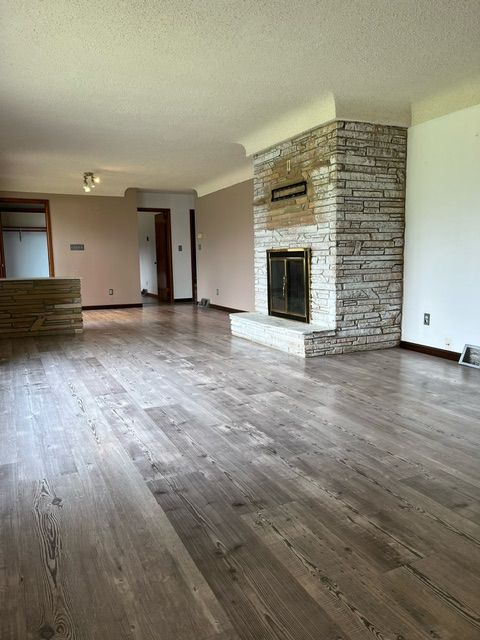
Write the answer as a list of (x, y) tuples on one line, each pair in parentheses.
[(47, 228), (167, 212), (193, 255)]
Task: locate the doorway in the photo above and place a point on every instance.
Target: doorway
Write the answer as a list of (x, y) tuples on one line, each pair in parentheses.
[(156, 263), (25, 239), (167, 270)]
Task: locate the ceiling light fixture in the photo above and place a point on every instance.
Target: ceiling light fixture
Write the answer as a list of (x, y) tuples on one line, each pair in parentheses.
[(89, 181)]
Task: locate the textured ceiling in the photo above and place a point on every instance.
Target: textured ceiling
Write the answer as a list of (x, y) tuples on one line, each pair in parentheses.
[(170, 94)]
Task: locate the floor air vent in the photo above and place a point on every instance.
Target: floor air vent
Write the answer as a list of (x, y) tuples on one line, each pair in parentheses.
[(470, 356)]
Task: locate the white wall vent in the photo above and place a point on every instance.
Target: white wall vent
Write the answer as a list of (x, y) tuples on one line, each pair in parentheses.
[(470, 356)]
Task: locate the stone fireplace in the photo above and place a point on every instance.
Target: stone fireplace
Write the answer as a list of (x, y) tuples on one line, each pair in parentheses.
[(350, 219)]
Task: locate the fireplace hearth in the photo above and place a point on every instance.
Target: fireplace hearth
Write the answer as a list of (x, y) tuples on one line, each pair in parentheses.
[(288, 283)]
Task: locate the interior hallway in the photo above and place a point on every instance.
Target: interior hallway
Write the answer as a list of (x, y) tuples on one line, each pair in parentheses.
[(161, 479)]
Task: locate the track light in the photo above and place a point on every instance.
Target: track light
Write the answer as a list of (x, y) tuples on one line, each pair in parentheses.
[(89, 181)]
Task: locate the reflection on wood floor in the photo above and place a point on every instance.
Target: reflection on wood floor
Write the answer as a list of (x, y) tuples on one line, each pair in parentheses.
[(161, 480)]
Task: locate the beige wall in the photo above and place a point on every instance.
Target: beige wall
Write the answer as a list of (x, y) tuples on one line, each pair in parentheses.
[(107, 226), (225, 260)]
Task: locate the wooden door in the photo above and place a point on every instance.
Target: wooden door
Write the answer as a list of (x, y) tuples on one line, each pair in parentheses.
[(163, 242)]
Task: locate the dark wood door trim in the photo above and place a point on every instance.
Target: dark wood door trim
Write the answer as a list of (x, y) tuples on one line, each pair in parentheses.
[(193, 254), (48, 224), (48, 228)]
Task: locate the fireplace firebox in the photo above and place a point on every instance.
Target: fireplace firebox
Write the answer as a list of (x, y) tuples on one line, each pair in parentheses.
[(288, 283)]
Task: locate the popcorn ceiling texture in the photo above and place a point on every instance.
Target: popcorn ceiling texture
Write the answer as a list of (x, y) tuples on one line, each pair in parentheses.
[(174, 95), (352, 217)]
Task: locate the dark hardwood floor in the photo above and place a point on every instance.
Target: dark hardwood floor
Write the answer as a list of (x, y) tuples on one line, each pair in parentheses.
[(161, 480)]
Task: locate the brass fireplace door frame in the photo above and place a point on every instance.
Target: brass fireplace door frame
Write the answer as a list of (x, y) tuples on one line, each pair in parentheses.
[(285, 255)]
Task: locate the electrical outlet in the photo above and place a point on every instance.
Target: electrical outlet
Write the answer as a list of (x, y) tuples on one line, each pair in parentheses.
[(110, 292), (426, 319), (218, 292), (180, 248)]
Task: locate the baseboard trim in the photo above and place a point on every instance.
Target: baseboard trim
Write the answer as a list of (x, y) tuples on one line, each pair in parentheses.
[(431, 351), (219, 307), (96, 307), (175, 301)]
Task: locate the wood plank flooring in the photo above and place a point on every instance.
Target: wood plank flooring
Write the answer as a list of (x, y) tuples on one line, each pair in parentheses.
[(160, 480)]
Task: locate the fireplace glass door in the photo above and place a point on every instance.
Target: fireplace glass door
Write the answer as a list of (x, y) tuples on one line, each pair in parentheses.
[(288, 286)]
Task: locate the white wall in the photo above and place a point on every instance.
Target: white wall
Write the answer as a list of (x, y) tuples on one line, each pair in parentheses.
[(26, 254), (442, 244), (179, 205), (147, 251)]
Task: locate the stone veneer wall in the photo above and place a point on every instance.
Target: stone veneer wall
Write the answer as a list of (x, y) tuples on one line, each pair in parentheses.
[(307, 221), (40, 307), (353, 219)]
